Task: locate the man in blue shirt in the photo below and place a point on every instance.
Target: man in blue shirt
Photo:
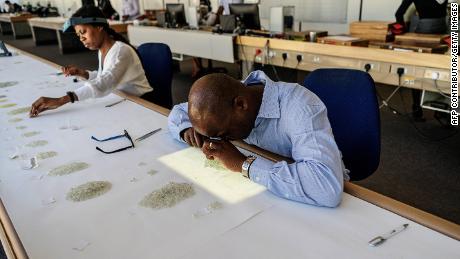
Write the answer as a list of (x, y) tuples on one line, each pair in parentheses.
[(284, 118)]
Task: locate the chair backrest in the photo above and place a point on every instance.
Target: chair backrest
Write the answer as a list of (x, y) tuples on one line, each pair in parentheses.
[(156, 59), (352, 108)]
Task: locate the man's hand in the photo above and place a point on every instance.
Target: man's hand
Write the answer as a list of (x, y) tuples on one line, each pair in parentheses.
[(46, 103), (225, 152), (193, 138), (72, 70)]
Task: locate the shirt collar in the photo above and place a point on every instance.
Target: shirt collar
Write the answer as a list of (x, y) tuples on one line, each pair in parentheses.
[(270, 106)]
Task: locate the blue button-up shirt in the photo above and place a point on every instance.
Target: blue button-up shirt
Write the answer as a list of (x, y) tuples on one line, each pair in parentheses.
[(292, 122)]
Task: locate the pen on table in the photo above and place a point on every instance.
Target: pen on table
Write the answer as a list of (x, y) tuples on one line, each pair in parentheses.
[(115, 103), (147, 135), (380, 239)]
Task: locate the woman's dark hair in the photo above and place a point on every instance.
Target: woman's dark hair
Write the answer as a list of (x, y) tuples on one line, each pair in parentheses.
[(89, 11)]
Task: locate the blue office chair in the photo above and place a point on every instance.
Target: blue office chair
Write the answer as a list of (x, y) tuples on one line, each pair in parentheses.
[(156, 59), (353, 111)]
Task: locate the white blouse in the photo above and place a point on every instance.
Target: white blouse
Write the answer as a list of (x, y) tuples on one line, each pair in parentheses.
[(122, 70)]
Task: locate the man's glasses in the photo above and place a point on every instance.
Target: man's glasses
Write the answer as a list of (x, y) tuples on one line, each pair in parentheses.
[(125, 135), (215, 139)]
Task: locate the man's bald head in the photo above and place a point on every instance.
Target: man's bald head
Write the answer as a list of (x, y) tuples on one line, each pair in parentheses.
[(220, 106), (211, 97)]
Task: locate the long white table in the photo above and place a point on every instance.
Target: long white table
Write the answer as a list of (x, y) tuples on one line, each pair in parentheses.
[(251, 224), (16, 25), (196, 43)]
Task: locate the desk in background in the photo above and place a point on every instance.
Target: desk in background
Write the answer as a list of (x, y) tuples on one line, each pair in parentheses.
[(383, 64), (251, 224), (16, 25), (196, 43), (49, 31)]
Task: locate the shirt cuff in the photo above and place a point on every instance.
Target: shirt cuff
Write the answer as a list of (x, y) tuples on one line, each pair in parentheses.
[(260, 171), (85, 92), (183, 126), (91, 75)]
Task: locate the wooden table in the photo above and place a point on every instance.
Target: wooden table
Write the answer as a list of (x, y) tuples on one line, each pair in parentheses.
[(49, 31), (383, 64), (16, 25), (259, 225), (413, 46)]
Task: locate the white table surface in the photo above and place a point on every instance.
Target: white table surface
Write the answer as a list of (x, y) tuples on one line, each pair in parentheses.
[(196, 43), (252, 223)]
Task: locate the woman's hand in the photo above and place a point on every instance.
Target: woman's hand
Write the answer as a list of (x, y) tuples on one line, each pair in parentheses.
[(72, 70), (47, 103)]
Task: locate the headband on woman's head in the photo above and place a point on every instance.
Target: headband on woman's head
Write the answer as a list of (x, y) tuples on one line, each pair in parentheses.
[(68, 25)]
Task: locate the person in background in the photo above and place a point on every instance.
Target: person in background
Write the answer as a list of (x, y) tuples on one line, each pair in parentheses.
[(130, 10), (213, 18), (431, 15), (206, 4), (108, 10), (119, 64), (223, 6), (431, 19), (8, 7), (87, 3), (17, 8)]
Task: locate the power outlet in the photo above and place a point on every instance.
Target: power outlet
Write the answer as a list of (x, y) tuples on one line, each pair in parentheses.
[(370, 67), (396, 68), (316, 59), (299, 57), (436, 74), (409, 80)]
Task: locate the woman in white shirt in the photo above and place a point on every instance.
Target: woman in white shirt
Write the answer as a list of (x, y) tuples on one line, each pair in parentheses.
[(119, 64)]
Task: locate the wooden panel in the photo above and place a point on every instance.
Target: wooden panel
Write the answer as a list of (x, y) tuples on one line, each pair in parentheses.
[(418, 37), (343, 41), (17, 18), (412, 46), (371, 25), (406, 58), (372, 30), (303, 35), (120, 27), (373, 37), (415, 77)]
